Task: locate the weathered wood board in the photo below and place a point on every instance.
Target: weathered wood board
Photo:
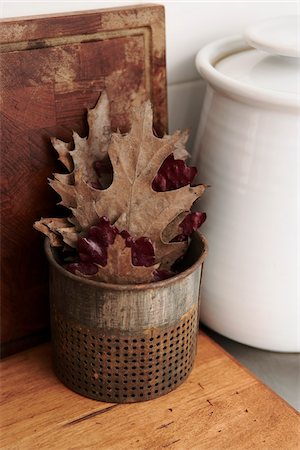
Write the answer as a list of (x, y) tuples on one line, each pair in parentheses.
[(52, 69)]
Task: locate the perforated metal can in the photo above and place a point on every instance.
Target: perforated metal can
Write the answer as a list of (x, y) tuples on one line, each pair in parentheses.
[(125, 343)]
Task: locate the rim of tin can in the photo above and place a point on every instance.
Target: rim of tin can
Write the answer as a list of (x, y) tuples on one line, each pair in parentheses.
[(131, 287)]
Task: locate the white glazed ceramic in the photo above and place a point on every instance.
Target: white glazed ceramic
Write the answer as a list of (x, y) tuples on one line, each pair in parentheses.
[(280, 35), (248, 150)]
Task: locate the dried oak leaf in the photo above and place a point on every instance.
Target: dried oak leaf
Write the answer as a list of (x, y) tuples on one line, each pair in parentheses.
[(80, 161), (94, 251), (133, 161), (118, 269), (130, 201), (76, 188), (58, 230)]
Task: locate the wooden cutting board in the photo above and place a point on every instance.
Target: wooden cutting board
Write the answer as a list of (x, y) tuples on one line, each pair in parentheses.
[(220, 406), (52, 69)]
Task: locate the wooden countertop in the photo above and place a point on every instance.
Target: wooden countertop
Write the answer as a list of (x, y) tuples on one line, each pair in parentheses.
[(220, 406)]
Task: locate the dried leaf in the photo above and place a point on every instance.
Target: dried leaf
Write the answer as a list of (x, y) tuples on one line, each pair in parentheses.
[(139, 181), (80, 198), (119, 268), (132, 203), (69, 235), (76, 189), (172, 229), (168, 253), (93, 249), (57, 229), (63, 150), (87, 149)]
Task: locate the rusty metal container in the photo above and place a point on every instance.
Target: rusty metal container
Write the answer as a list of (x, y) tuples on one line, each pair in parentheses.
[(125, 343)]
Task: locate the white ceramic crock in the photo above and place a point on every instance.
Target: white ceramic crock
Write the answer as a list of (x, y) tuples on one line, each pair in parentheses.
[(247, 149)]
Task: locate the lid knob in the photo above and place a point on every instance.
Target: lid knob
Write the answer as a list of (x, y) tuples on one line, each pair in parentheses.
[(280, 35)]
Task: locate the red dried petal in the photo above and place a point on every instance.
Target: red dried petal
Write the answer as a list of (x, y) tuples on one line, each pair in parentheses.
[(190, 224), (104, 233), (93, 247), (159, 183), (173, 174), (91, 251), (129, 239), (142, 252), (84, 268)]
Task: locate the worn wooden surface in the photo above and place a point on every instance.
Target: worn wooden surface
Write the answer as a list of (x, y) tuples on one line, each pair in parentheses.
[(220, 406), (52, 69)]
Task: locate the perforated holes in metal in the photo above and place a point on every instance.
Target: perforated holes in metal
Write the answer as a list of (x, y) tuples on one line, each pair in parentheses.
[(122, 368)]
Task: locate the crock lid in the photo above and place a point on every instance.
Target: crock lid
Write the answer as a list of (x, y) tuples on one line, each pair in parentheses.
[(263, 66), (280, 35)]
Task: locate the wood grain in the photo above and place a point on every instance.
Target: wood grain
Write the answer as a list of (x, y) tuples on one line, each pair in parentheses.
[(220, 406), (52, 69)]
